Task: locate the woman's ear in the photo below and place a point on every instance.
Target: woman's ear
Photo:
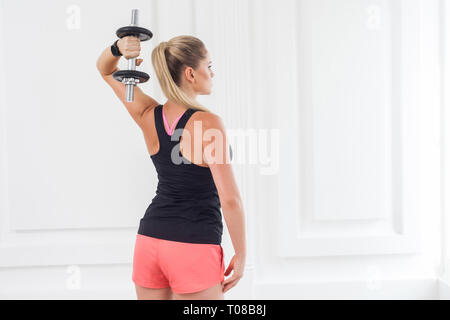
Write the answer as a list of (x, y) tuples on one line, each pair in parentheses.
[(189, 73)]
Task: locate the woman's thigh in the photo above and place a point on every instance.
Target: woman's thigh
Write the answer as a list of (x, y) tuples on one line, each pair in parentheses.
[(153, 294), (212, 293)]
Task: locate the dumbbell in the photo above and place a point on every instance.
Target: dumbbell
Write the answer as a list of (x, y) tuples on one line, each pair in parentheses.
[(132, 77)]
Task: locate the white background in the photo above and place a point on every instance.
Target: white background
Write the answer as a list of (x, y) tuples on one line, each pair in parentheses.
[(354, 87)]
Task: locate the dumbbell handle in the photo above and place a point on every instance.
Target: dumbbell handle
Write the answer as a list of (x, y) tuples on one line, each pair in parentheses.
[(132, 61)]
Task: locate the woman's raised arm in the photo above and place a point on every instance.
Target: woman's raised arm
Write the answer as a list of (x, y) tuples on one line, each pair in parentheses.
[(107, 65)]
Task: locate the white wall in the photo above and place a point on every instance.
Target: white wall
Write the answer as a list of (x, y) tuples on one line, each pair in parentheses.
[(444, 279), (351, 87), (362, 217)]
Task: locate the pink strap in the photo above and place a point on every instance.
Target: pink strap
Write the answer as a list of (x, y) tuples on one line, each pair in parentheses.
[(168, 128)]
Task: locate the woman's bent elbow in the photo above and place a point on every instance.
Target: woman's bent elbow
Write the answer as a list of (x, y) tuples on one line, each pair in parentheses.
[(232, 204)]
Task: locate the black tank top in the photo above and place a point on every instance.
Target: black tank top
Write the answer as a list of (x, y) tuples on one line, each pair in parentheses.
[(186, 207)]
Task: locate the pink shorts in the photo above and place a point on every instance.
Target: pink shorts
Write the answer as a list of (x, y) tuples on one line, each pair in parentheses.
[(184, 267)]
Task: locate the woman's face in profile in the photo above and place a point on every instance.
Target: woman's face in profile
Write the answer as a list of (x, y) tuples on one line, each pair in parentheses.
[(205, 73)]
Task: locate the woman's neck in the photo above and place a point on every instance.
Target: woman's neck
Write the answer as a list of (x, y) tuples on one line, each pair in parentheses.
[(172, 107)]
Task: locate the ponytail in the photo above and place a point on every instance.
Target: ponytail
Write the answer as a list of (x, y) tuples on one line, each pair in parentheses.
[(168, 60)]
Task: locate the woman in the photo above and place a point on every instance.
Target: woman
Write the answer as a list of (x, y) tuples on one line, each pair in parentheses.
[(178, 252)]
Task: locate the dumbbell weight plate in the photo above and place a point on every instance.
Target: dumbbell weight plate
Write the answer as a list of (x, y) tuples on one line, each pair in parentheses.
[(142, 33), (124, 74)]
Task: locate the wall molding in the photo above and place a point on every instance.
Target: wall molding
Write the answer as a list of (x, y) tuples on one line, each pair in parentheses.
[(445, 142), (390, 289), (402, 236), (383, 289)]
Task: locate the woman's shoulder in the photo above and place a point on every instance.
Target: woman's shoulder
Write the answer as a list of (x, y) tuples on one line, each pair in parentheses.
[(210, 120)]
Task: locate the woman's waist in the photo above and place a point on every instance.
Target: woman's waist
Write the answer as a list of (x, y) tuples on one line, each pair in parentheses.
[(201, 211), (187, 194), (180, 200)]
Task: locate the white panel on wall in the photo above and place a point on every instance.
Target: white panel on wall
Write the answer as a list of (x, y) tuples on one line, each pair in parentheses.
[(347, 52), (76, 174), (70, 148), (354, 123)]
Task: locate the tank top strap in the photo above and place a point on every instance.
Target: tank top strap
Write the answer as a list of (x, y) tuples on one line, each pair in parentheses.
[(166, 141), (159, 125), (184, 119)]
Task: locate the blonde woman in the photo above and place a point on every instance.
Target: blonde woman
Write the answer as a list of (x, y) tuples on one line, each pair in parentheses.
[(178, 252)]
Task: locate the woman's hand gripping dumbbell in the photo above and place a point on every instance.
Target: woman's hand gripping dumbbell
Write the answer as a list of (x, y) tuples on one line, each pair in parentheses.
[(130, 47), (131, 50)]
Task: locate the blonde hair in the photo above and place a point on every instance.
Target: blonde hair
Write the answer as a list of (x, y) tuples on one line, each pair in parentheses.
[(169, 60)]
